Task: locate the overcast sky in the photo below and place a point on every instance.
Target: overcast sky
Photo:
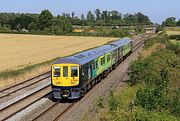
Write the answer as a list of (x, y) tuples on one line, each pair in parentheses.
[(157, 10)]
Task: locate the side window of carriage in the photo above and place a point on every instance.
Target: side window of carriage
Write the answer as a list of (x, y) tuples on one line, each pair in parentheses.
[(57, 71), (74, 71), (108, 58)]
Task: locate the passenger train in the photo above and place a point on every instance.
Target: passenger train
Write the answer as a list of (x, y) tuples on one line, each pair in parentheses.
[(74, 75)]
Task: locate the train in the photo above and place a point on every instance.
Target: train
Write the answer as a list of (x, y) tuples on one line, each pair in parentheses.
[(73, 76)]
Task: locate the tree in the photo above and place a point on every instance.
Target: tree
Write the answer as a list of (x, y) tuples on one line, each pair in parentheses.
[(104, 16), (131, 19), (142, 19), (178, 23), (98, 14), (115, 15), (32, 26), (45, 19), (57, 26), (90, 16), (4, 18), (83, 19), (23, 20), (72, 14), (108, 19), (171, 21), (66, 24), (90, 19)]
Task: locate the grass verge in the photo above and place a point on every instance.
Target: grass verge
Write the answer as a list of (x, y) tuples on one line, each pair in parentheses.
[(175, 42), (11, 77)]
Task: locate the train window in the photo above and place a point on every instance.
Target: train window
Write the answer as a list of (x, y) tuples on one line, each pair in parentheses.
[(96, 64), (74, 71), (103, 60), (65, 71), (108, 58), (93, 66), (113, 54), (56, 71)]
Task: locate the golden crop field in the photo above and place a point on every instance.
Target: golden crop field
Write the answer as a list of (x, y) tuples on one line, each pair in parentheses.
[(19, 50), (173, 32)]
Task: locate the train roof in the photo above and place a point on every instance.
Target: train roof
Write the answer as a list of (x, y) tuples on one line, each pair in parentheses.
[(86, 56), (121, 42)]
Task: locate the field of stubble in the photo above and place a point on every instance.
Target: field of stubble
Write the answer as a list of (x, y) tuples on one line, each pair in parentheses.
[(18, 50)]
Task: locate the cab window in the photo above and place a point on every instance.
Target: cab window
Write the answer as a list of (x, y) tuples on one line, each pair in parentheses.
[(56, 71), (65, 71), (74, 71)]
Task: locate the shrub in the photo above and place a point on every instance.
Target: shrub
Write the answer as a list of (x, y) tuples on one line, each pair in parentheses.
[(113, 102)]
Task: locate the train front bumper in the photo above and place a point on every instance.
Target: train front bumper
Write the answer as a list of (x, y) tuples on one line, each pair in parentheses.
[(72, 93)]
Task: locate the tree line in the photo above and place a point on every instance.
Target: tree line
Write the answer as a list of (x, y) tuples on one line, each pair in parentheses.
[(46, 22), (171, 22)]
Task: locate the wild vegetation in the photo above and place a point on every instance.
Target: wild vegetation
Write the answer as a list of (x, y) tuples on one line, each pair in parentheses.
[(159, 76), (153, 91)]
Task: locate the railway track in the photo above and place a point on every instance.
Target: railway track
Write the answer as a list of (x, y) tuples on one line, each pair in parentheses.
[(53, 108), (16, 107), (54, 105), (24, 99), (17, 87)]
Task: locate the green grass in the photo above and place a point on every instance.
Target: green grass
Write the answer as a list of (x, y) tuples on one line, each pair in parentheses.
[(175, 42)]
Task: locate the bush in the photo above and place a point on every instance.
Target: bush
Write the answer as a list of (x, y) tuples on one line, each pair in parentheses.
[(100, 102), (113, 102), (177, 37)]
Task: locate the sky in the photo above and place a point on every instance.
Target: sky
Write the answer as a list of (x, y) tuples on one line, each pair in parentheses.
[(156, 10)]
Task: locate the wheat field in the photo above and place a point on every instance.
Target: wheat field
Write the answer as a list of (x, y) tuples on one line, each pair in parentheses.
[(173, 32), (20, 50)]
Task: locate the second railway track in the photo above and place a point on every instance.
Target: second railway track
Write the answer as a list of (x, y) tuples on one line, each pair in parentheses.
[(17, 87)]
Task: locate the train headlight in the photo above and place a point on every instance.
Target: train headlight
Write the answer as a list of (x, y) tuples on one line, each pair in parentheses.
[(56, 67)]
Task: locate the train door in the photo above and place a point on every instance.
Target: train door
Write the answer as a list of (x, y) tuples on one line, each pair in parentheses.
[(93, 65), (120, 52), (85, 72), (89, 71), (117, 55), (113, 57)]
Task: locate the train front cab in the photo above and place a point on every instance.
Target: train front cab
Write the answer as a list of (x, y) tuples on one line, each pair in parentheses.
[(65, 81)]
